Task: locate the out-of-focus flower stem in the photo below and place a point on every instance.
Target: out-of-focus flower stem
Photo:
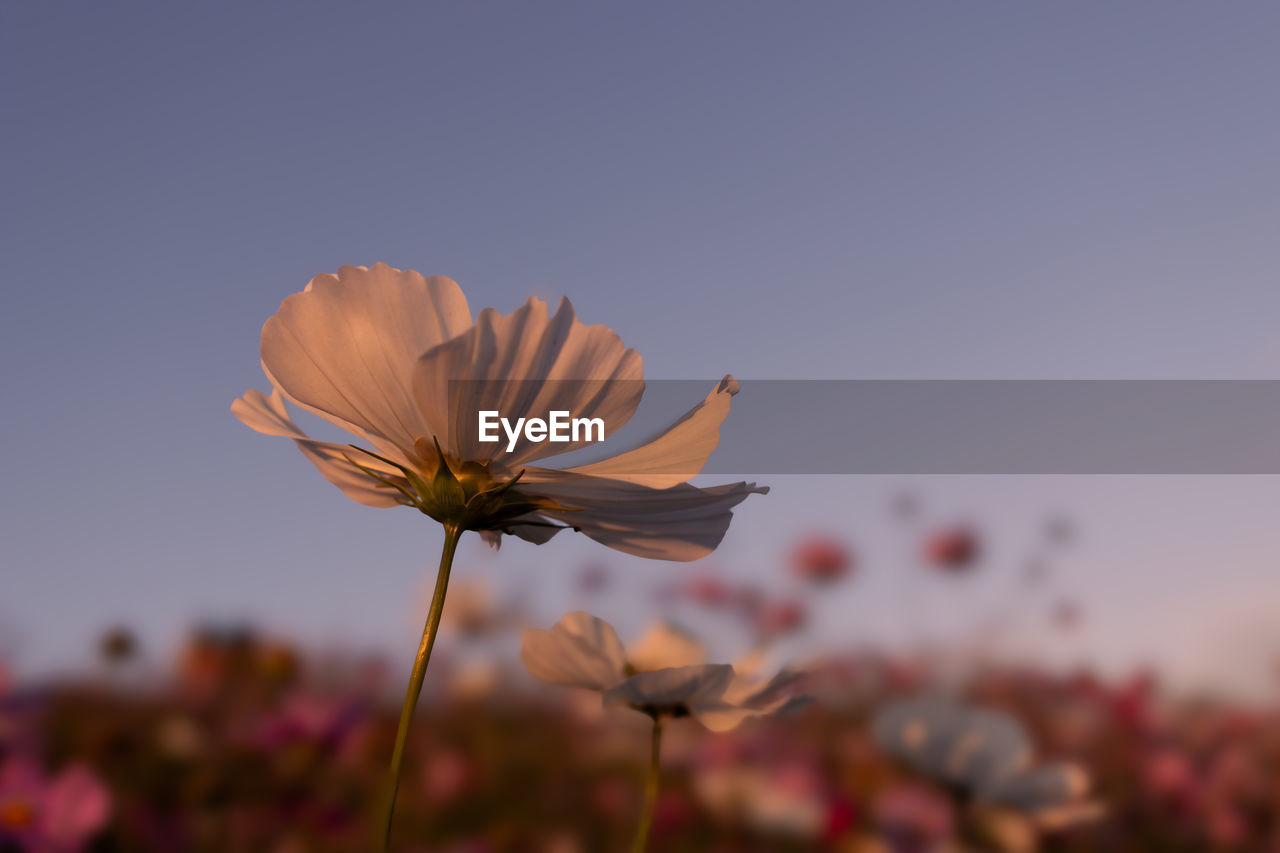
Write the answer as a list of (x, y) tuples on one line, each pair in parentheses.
[(650, 789), (451, 536)]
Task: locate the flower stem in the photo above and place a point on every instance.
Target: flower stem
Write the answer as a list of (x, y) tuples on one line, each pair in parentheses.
[(451, 536), (650, 789)]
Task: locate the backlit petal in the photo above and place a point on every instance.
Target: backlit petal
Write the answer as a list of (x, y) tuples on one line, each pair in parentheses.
[(527, 364), (267, 415), (579, 651), (679, 453), (345, 348), (680, 523)]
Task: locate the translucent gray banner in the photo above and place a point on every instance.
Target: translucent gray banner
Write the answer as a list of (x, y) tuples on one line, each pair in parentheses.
[(948, 426)]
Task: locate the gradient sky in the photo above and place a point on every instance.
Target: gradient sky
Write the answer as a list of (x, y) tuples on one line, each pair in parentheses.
[(880, 190)]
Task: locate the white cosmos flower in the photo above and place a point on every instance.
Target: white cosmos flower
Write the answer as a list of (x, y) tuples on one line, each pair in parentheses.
[(984, 756), (662, 675), (396, 359)]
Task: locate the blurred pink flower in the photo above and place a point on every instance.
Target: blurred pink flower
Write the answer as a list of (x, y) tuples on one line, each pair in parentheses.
[(1169, 773), (709, 590), (777, 618), (50, 815), (821, 560), (913, 815), (310, 718), (952, 549), (1133, 703)]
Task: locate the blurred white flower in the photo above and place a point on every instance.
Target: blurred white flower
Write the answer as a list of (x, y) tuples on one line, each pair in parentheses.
[(984, 757), (475, 612), (767, 800), (395, 358), (662, 675), (474, 679)]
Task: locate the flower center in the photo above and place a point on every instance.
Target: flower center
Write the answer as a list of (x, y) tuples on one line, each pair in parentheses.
[(460, 494)]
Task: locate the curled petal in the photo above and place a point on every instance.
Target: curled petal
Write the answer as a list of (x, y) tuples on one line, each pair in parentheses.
[(679, 453), (527, 364), (345, 349), (266, 415), (579, 651), (752, 691), (750, 694), (336, 462), (539, 533), (719, 716), (536, 531), (681, 523)]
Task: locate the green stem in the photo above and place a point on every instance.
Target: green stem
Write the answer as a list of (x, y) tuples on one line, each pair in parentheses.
[(650, 789), (451, 537)]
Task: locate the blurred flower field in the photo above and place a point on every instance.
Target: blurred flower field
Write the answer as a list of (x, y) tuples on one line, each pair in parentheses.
[(243, 741)]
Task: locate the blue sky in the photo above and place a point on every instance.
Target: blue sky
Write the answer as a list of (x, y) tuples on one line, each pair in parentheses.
[(782, 191)]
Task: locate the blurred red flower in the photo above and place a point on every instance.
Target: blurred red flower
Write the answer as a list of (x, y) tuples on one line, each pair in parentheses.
[(821, 560), (709, 591), (953, 549), (780, 617)]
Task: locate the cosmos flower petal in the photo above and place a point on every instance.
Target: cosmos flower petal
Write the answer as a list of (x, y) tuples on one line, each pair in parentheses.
[(579, 651), (598, 635), (681, 523), (527, 364), (538, 534), (334, 462), (991, 746), (679, 453), (751, 694), (918, 731), (267, 415), (535, 531), (345, 349), (1039, 789), (723, 716), (752, 691), (664, 646), (675, 688)]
